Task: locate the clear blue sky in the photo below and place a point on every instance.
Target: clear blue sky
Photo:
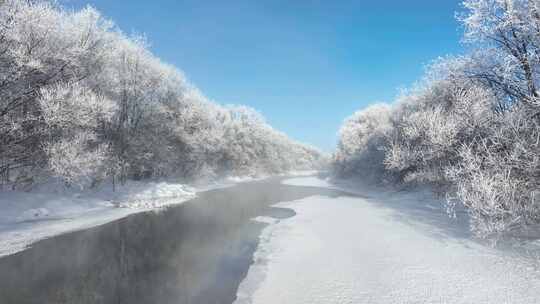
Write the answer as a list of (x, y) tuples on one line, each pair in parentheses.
[(306, 65)]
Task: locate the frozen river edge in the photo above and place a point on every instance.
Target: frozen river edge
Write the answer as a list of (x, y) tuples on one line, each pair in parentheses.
[(382, 248)]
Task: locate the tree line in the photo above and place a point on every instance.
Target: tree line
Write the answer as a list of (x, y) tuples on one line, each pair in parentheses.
[(83, 103), (470, 127)]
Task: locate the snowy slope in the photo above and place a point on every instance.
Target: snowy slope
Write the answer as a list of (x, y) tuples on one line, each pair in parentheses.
[(366, 250)]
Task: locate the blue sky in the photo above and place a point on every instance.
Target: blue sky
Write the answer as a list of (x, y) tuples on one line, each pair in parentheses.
[(306, 65)]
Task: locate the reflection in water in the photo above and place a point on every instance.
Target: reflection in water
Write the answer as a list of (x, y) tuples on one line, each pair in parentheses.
[(197, 252)]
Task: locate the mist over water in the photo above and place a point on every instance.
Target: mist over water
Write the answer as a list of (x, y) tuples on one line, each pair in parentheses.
[(197, 252)]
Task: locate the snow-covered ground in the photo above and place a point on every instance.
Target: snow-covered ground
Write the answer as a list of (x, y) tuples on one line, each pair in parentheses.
[(380, 248), (26, 217)]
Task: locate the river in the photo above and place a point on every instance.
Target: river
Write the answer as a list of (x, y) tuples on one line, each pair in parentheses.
[(267, 242), (195, 252)]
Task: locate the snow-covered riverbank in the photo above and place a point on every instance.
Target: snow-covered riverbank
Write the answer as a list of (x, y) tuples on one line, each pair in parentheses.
[(26, 217), (380, 248)]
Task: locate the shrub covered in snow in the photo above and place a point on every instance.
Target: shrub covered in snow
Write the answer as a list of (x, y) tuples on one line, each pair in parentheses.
[(497, 176)]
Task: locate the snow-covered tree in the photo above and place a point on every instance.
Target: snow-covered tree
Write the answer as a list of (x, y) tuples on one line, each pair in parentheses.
[(510, 30), (84, 102), (362, 141), (471, 126), (76, 120)]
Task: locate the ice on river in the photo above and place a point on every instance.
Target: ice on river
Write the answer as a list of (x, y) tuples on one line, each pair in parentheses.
[(365, 250)]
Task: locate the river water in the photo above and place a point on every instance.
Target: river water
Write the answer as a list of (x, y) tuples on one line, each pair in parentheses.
[(196, 252)]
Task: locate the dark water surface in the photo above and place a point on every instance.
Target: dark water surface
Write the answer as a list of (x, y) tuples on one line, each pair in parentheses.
[(197, 252)]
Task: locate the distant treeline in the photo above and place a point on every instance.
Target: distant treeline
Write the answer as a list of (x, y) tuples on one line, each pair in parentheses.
[(82, 102), (471, 127)]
